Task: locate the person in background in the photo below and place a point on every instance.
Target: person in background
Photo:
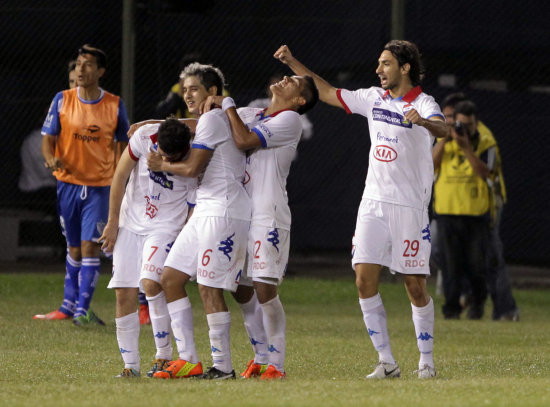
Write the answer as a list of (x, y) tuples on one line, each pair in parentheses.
[(83, 135)]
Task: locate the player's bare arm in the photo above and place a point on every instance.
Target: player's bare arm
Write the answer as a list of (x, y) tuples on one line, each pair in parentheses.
[(118, 187), (191, 167), (327, 92), (435, 125), (51, 162)]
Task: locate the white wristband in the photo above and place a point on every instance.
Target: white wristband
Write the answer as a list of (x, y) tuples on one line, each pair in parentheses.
[(228, 103)]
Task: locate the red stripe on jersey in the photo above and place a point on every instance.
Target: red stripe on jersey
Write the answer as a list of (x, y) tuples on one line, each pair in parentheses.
[(412, 94), (132, 155), (339, 96)]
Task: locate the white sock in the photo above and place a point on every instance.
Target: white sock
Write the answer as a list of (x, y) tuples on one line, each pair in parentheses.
[(374, 316), (423, 319), (275, 327), (160, 322), (254, 324), (181, 315), (127, 335), (219, 324)]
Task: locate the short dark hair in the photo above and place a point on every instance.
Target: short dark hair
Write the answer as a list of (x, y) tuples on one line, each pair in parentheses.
[(310, 93), (174, 137), (71, 66), (467, 108), (453, 99), (100, 56), (407, 52), (208, 76)]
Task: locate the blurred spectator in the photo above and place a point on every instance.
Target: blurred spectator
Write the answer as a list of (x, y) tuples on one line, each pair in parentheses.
[(498, 279), (307, 126), (35, 181), (464, 165)]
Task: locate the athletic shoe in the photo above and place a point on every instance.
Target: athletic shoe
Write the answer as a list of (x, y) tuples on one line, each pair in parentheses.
[(385, 371), (144, 318), (179, 369), (272, 374), (214, 374), (157, 366), (128, 373), (425, 372), (510, 316), (89, 318), (54, 315), (253, 370)]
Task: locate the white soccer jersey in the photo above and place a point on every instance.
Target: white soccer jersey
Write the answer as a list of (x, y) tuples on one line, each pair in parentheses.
[(267, 168), (154, 201), (400, 158), (220, 192)]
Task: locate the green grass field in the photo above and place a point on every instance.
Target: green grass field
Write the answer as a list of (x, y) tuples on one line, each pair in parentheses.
[(480, 363)]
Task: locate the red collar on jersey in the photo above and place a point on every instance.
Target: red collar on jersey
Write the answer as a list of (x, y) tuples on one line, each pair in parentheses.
[(263, 116), (154, 138), (409, 96)]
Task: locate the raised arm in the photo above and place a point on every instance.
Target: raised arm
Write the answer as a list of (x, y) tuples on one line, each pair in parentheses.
[(327, 92)]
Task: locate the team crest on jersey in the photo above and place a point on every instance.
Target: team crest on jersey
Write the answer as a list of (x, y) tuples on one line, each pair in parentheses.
[(100, 226), (161, 179), (393, 118), (384, 153), (378, 101), (150, 209)]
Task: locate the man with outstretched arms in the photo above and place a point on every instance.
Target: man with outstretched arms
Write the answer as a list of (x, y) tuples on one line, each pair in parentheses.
[(271, 135), (212, 246), (392, 225), (84, 134), (145, 218)]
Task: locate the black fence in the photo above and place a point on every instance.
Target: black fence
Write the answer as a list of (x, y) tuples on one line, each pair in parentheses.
[(499, 56)]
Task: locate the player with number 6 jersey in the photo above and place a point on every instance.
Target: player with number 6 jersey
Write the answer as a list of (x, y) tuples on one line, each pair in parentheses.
[(146, 213), (212, 246), (392, 224)]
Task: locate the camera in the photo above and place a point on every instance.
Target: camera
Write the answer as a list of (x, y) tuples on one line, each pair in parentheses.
[(460, 128)]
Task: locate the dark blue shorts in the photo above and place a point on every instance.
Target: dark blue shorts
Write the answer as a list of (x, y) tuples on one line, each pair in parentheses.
[(83, 211)]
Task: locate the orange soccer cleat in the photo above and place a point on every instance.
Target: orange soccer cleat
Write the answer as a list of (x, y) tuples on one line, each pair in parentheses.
[(253, 370), (272, 373), (144, 318), (52, 315), (179, 369)]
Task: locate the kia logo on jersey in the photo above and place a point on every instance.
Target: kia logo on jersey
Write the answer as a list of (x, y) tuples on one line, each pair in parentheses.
[(384, 153)]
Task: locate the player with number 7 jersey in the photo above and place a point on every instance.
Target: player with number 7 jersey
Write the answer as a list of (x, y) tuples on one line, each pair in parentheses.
[(147, 210)]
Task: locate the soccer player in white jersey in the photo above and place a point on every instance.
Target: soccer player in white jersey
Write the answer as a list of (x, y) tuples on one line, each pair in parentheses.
[(145, 217), (271, 136), (392, 224), (212, 246)]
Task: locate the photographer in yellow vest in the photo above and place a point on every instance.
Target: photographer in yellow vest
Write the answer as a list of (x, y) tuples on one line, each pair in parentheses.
[(465, 166)]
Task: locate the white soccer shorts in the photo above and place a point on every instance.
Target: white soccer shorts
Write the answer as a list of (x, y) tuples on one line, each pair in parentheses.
[(392, 235), (268, 250), (138, 256), (212, 249)]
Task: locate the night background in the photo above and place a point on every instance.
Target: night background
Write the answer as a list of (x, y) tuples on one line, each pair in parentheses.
[(498, 53)]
